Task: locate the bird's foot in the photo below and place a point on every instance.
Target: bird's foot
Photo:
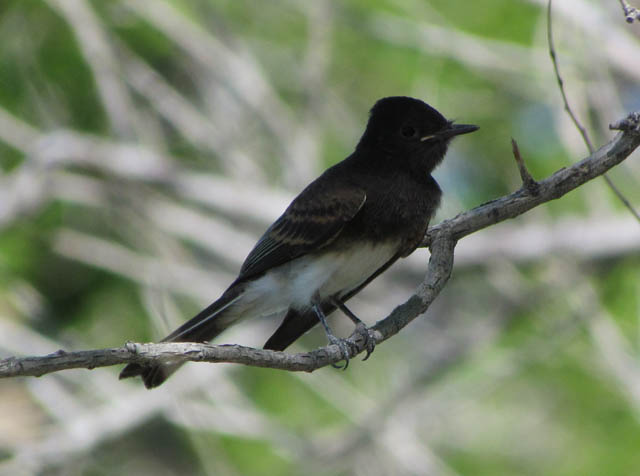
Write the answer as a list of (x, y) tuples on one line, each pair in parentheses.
[(368, 336), (346, 348), (361, 328)]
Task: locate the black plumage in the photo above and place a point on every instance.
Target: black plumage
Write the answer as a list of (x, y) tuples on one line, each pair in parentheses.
[(343, 230)]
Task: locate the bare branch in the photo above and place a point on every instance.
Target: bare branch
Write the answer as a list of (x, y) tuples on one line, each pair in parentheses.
[(555, 186), (441, 239), (629, 123), (574, 118), (527, 180), (630, 13)]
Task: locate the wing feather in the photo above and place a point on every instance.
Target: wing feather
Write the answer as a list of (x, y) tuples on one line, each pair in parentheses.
[(313, 220)]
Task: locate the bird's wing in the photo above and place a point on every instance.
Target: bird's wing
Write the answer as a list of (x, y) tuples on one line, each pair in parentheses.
[(313, 220)]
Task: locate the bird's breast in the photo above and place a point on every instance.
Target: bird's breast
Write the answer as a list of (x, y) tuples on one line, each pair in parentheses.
[(326, 273), (397, 208), (353, 265), (316, 276)]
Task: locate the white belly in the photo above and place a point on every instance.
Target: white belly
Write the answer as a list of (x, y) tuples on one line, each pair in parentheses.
[(312, 277)]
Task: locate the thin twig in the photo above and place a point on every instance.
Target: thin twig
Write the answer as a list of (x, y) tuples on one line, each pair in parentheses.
[(574, 118), (565, 100), (441, 239), (529, 184), (630, 13)]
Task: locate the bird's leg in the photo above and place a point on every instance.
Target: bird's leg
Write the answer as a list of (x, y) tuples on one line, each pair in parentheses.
[(341, 343), (361, 327)]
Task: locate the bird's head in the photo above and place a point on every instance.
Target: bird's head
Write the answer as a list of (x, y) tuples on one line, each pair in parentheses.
[(409, 130)]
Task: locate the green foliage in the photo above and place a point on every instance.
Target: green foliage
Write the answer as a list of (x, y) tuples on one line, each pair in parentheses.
[(288, 399)]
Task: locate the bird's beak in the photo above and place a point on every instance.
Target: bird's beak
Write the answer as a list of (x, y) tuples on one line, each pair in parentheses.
[(450, 131)]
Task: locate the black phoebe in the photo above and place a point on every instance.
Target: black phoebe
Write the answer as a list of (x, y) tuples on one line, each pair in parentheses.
[(344, 229)]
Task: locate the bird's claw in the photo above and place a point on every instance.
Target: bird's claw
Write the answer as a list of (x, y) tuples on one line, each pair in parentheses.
[(348, 348), (344, 351), (368, 337)]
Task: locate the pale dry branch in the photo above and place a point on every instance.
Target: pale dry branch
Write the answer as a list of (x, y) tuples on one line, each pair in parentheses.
[(441, 239), (93, 41), (234, 68), (185, 117)]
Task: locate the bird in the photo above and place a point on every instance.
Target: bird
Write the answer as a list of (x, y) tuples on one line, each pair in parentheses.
[(342, 231)]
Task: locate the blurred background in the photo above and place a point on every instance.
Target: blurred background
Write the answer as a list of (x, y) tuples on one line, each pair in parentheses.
[(146, 145)]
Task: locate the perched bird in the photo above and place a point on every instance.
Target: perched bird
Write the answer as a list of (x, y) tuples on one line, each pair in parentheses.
[(344, 229)]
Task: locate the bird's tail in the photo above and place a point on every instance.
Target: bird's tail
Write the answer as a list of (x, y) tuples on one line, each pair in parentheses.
[(202, 328)]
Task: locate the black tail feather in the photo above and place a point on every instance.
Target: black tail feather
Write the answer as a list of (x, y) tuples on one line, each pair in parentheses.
[(201, 328), (152, 375)]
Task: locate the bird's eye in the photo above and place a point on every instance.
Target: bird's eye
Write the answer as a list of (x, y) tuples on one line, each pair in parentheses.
[(408, 132)]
